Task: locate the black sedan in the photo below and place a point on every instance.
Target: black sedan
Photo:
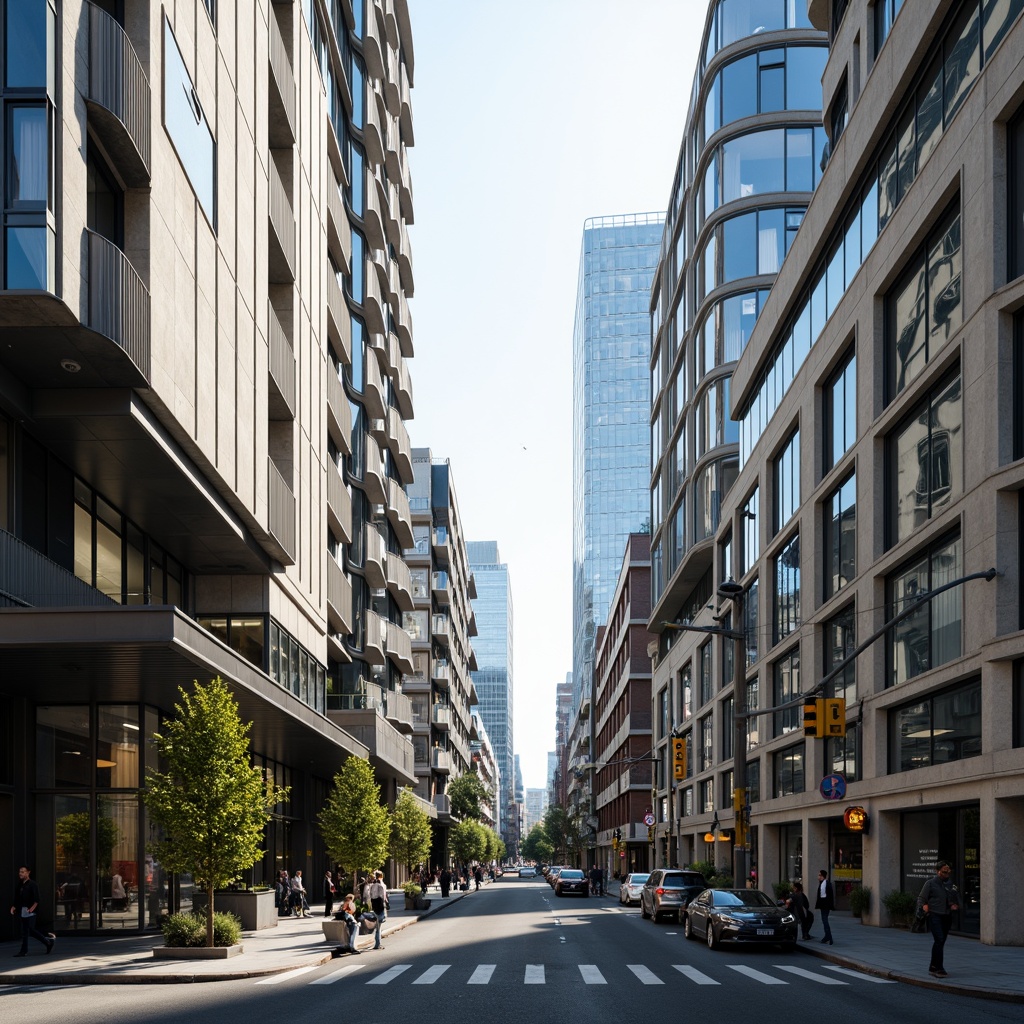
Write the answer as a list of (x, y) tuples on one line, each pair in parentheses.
[(571, 880), (739, 915)]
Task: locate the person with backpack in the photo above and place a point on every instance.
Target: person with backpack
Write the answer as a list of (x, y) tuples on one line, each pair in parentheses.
[(379, 904)]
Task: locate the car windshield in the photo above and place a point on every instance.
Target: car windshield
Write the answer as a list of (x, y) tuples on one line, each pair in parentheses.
[(682, 881), (741, 898), (570, 874)]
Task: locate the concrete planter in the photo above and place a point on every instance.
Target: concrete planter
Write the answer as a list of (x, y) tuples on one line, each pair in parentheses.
[(255, 910), (196, 952), (420, 903), (335, 932)]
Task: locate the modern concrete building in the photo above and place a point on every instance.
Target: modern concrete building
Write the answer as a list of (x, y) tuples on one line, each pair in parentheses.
[(611, 406), (493, 678), (563, 722), (879, 421), (486, 766), (534, 808), (203, 387)]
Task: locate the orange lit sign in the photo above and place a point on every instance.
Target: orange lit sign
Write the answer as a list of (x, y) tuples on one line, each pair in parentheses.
[(856, 819)]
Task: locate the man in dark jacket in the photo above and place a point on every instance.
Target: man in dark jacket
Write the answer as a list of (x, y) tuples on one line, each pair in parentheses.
[(825, 903), (446, 882), (26, 903), (939, 899)]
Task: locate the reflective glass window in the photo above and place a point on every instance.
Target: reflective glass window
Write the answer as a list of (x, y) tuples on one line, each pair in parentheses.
[(739, 89), (840, 536), (788, 771), (28, 162), (63, 747), (786, 686), (840, 642), (787, 589), (29, 258), (937, 730), (961, 54), (29, 29)]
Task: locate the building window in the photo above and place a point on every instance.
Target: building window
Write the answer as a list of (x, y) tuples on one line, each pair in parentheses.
[(787, 589), (786, 683), (925, 307), (663, 720), (1018, 704), (707, 796), (188, 129), (706, 689), (840, 411), (1015, 195), (685, 693), (728, 652), (842, 754), (1018, 386), (725, 789), (751, 533), (840, 642), (840, 509), (839, 114), (750, 625), (727, 729), (787, 481), (357, 279), (753, 781), (245, 635), (925, 455), (707, 743), (788, 771), (753, 731), (687, 809), (885, 15), (713, 483), (930, 636), (942, 728)]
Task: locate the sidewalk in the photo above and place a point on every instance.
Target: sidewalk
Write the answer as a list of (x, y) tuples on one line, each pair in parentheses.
[(987, 972), (128, 960)]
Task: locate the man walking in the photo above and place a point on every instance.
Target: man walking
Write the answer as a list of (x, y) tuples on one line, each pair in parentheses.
[(939, 898), (26, 903), (825, 903), (328, 894), (379, 904), (298, 895), (446, 882)]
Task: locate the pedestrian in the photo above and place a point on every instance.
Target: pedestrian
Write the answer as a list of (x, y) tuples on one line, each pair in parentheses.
[(348, 915), (283, 894), (478, 877), (825, 903), (446, 882), (939, 899), (298, 895), (26, 903), (599, 879), (328, 894), (379, 904), (798, 903)]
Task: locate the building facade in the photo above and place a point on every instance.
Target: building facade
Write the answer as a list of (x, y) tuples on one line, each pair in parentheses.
[(877, 447), (493, 678), (611, 405), (203, 387)]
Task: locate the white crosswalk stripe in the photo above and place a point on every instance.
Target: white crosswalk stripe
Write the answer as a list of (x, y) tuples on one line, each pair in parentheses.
[(591, 974), (482, 975), (645, 974), (342, 972), (389, 975), (765, 979), (534, 974), (429, 976), (810, 975), (860, 975), (277, 979), (698, 977)]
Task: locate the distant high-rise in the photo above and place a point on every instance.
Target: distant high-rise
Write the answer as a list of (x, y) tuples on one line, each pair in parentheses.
[(611, 415), (493, 677)]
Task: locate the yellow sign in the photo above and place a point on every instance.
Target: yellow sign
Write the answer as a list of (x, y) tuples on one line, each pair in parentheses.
[(678, 758), (833, 722), (856, 819)]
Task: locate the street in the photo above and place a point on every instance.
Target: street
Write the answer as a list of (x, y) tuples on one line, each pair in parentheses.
[(515, 949)]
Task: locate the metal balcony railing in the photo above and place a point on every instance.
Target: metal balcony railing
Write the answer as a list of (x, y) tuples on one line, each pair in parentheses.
[(282, 369), (281, 512), (282, 221), (339, 413), (281, 127), (339, 599), (339, 326), (28, 579), (339, 505)]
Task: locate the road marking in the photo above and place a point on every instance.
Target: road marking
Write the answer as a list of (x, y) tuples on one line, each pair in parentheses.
[(534, 974), (800, 972), (482, 975), (694, 975), (859, 975), (591, 974), (645, 974), (765, 979), (389, 975), (429, 976), (330, 979), (612, 910), (287, 976), (671, 933)]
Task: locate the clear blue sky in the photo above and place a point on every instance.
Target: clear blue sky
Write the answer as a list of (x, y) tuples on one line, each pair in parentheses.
[(529, 118)]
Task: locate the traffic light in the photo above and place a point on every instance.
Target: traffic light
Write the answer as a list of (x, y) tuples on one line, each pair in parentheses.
[(814, 717), (678, 758), (834, 719)]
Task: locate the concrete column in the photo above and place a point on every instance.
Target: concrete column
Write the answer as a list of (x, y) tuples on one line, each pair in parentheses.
[(1002, 850)]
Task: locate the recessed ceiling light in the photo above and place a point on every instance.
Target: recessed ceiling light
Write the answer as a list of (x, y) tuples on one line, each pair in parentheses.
[(70, 365)]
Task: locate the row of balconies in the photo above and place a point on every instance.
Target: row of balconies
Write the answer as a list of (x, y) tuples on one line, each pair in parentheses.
[(281, 395), (390, 432), (391, 362)]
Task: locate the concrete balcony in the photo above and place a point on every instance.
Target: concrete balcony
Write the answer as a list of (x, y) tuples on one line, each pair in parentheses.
[(339, 599), (405, 194), (441, 673), (393, 224), (339, 506), (373, 45), (439, 585), (443, 803), (394, 280), (405, 115), (441, 717), (366, 696), (471, 662), (29, 579), (339, 413), (339, 326), (375, 212), (441, 761), (439, 542), (471, 590), (440, 629), (399, 647), (399, 582), (119, 98), (402, 380), (398, 710), (281, 514), (373, 131), (404, 327), (392, 80), (339, 231), (389, 749), (281, 394), (373, 391), (374, 306), (399, 514), (373, 565), (374, 481), (119, 305), (281, 249), (399, 444), (405, 262), (281, 120), (373, 643)]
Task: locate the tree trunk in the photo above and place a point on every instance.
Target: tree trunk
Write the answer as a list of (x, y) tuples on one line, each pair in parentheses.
[(209, 915)]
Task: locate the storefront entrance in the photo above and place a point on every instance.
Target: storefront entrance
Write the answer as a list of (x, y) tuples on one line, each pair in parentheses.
[(846, 862)]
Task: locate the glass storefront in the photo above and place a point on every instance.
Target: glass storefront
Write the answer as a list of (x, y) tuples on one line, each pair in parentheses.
[(845, 862)]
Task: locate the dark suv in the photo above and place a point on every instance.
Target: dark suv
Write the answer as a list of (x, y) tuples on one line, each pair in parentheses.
[(668, 891)]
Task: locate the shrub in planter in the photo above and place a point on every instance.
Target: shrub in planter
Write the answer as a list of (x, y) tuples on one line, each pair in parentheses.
[(901, 907), (189, 930), (860, 900), (782, 889), (412, 890)]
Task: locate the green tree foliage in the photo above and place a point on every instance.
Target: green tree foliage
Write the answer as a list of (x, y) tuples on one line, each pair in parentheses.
[(468, 841), (73, 839), (211, 804), (499, 855), (491, 845), (410, 831), (466, 793), (537, 846), (557, 828), (354, 824)]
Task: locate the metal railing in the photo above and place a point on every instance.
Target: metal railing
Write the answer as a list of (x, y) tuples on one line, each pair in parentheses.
[(281, 68), (282, 218), (28, 579), (282, 360), (339, 598), (397, 707), (281, 510), (339, 504), (340, 412)]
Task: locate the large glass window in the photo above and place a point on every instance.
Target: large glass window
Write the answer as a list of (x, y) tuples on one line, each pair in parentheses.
[(707, 743), (787, 481), (28, 156), (1015, 194), (840, 396), (713, 483), (788, 771), (685, 693), (63, 747), (29, 53), (941, 728), (751, 532), (840, 641), (786, 686), (842, 754), (925, 456), (929, 636), (840, 510)]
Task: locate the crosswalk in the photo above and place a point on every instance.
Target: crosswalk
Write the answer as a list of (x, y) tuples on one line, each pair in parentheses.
[(588, 974)]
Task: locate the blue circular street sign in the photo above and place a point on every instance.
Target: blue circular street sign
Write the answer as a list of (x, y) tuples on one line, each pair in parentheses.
[(833, 787)]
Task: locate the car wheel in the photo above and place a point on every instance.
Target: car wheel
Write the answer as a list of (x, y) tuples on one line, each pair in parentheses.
[(687, 927), (643, 910), (710, 936)]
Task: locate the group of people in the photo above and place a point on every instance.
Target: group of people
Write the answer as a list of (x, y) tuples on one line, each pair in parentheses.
[(290, 895), (375, 894)]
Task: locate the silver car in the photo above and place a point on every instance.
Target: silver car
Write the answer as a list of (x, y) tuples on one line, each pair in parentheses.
[(630, 887)]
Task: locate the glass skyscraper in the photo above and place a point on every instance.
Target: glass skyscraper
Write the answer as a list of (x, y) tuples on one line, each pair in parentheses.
[(611, 413), (493, 677)]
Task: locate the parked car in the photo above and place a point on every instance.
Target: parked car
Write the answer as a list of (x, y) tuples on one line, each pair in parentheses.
[(668, 890), (553, 874), (629, 888), (527, 872), (739, 915), (572, 880)]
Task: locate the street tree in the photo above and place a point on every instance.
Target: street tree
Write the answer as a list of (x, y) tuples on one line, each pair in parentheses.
[(410, 831), (212, 804), (467, 793), (353, 822), (537, 846), (491, 845), (468, 841), (557, 828)]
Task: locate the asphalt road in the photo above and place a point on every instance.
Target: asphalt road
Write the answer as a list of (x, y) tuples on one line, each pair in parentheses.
[(516, 951)]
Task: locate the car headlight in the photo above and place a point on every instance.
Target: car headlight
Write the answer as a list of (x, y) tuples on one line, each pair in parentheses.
[(729, 919), (789, 919)]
